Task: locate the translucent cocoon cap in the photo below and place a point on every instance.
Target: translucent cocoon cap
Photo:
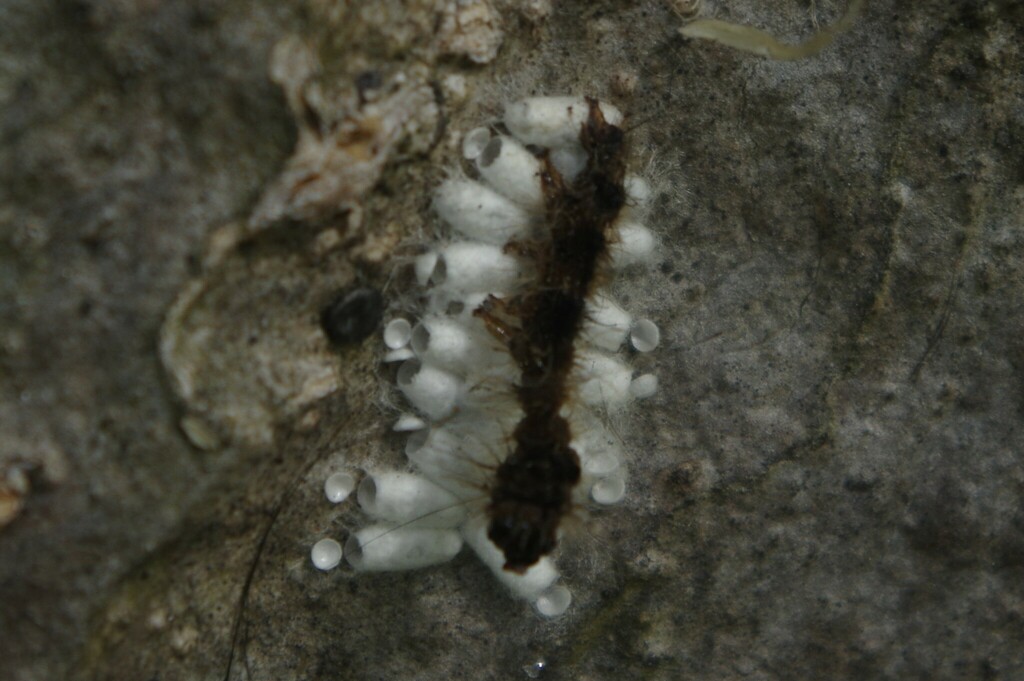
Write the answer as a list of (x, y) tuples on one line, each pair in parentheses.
[(554, 601), (474, 141), (433, 391), (553, 121), (326, 554), (645, 335), (386, 547), (337, 487), (513, 171), (609, 490), (479, 212), (397, 333)]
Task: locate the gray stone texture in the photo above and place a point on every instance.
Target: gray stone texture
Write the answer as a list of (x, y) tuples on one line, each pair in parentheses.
[(828, 484)]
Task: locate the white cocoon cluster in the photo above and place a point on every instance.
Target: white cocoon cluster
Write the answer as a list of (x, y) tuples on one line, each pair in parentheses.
[(634, 244), (478, 212), (528, 585), (553, 121), (409, 499), (387, 547), (471, 267), (462, 381), (433, 391), (607, 324), (512, 170), (603, 380)]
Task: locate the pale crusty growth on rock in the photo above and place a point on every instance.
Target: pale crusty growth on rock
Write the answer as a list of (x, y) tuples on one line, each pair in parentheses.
[(471, 28), (339, 158)]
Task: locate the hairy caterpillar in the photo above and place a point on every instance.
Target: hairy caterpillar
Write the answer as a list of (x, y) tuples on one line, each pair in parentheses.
[(511, 360)]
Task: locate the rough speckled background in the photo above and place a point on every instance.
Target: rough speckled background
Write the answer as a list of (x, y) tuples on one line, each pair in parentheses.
[(828, 485)]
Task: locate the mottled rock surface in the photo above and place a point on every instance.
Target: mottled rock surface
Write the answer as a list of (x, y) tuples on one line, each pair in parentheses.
[(827, 485)]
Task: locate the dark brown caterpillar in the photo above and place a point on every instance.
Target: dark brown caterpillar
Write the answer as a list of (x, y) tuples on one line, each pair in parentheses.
[(533, 486)]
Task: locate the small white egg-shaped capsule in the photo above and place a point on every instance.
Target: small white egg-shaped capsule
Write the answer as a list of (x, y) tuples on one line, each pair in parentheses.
[(445, 342), (407, 423), (397, 333), (610, 489), (387, 547), (633, 244), (638, 191), (645, 335), (513, 171), (553, 121), (338, 486), (528, 585), (326, 554), (424, 266), (554, 601), (569, 161), (477, 211), (470, 267), (603, 380), (644, 386), (473, 143), (607, 324), (434, 392), (410, 500)]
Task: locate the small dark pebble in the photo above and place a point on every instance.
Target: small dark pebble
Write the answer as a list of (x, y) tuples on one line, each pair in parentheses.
[(352, 315)]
